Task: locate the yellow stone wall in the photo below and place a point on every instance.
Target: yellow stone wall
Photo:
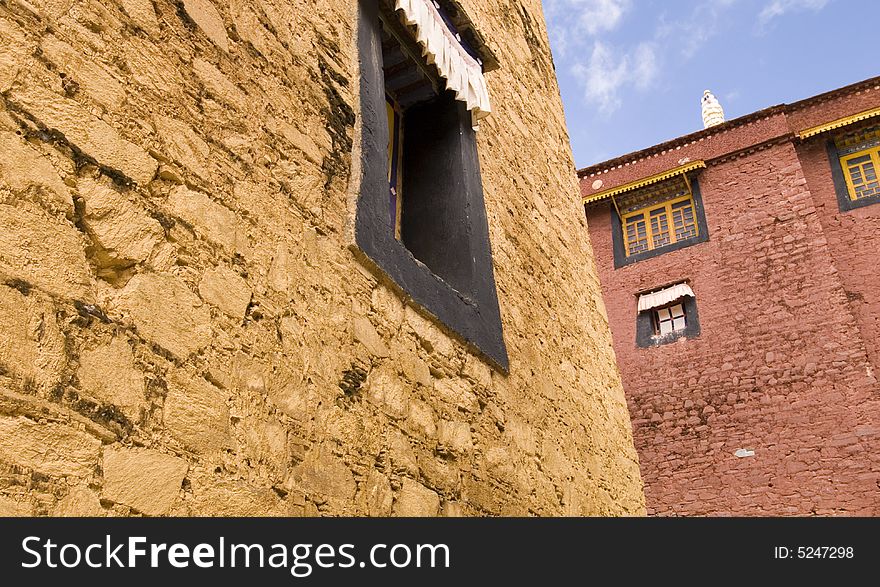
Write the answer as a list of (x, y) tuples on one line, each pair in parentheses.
[(184, 328)]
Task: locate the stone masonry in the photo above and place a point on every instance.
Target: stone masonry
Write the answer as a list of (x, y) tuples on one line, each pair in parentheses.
[(184, 328), (788, 296)]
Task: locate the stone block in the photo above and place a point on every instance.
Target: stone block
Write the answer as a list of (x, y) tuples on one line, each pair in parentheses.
[(44, 251), (429, 334), (324, 475), (183, 144), (403, 459), (414, 500), (13, 51), (142, 13), (208, 18), (233, 498), (225, 289), (376, 497), (421, 419), (123, 229), (31, 342), (87, 132), (23, 167), (166, 312), (219, 84), (93, 78), (51, 448), (14, 508), (454, 436), (80, 502), (388, 391), (414, 368), (108, 374), (211, 220), (457, 392), (365, 333), (145, 480), (196, 413)]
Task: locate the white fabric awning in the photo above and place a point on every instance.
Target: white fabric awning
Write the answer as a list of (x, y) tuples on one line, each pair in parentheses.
[(463, 73), (664, 296)]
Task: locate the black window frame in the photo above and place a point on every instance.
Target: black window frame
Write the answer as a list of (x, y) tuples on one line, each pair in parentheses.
[(617, 237), (844, 202), (470, 310), (646, 336)]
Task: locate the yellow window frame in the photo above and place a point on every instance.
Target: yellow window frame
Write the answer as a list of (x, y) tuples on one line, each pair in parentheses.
[(646, 214), (874, 154), (395, 161)]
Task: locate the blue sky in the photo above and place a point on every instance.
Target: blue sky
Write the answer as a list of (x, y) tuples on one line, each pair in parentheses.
[(632, 72)]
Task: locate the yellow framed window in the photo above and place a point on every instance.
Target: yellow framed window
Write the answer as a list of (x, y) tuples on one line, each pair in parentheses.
[(859, 156), (660, 224), (395, 162), (860, 171)]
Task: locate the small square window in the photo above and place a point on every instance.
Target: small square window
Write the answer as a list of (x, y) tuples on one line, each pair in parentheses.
[(666, 315), (669, 320)]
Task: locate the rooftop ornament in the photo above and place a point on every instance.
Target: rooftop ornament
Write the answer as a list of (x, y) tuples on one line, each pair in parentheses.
[(713, 113)]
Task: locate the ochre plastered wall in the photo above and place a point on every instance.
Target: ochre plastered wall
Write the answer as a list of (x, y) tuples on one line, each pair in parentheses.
[(184, 328)]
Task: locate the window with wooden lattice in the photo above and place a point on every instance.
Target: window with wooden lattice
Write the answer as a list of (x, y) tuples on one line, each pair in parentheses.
[(659, 216), (860, 160), (669, 319)]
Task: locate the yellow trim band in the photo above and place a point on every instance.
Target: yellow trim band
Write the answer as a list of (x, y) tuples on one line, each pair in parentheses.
[(634, 185), (839, 123)]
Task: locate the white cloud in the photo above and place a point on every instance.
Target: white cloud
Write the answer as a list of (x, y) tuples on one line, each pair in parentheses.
[(595, 16), (644, 66), (573, 23), (691, 33), (777, 8), (608, 72)]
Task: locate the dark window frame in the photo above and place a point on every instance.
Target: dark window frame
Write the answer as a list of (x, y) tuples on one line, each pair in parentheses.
[(844, 202), (645, 332), (471, 312), (617, 237)]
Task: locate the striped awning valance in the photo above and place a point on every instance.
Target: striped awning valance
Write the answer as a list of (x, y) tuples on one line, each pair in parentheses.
[(462, 72), (665, 296)]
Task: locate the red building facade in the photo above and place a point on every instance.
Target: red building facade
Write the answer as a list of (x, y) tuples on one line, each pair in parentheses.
[(740, 267)]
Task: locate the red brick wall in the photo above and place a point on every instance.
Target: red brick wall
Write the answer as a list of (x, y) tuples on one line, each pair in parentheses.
[(854, 241), (779, 368)]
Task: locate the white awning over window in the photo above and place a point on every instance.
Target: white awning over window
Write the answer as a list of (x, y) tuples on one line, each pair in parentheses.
[(664, 297), (463, 73)]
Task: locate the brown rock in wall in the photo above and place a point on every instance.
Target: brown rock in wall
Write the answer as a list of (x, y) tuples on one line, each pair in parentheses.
[(109, 374)]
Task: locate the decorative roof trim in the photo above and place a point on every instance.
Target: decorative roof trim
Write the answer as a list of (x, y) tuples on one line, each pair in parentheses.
[(839, 123), (634, 185)]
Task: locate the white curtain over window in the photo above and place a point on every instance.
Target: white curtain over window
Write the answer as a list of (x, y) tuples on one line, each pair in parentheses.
[(664, 297), (463, 73)]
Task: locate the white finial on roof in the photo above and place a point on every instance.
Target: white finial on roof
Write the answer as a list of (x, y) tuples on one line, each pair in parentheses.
[(713, 113)]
